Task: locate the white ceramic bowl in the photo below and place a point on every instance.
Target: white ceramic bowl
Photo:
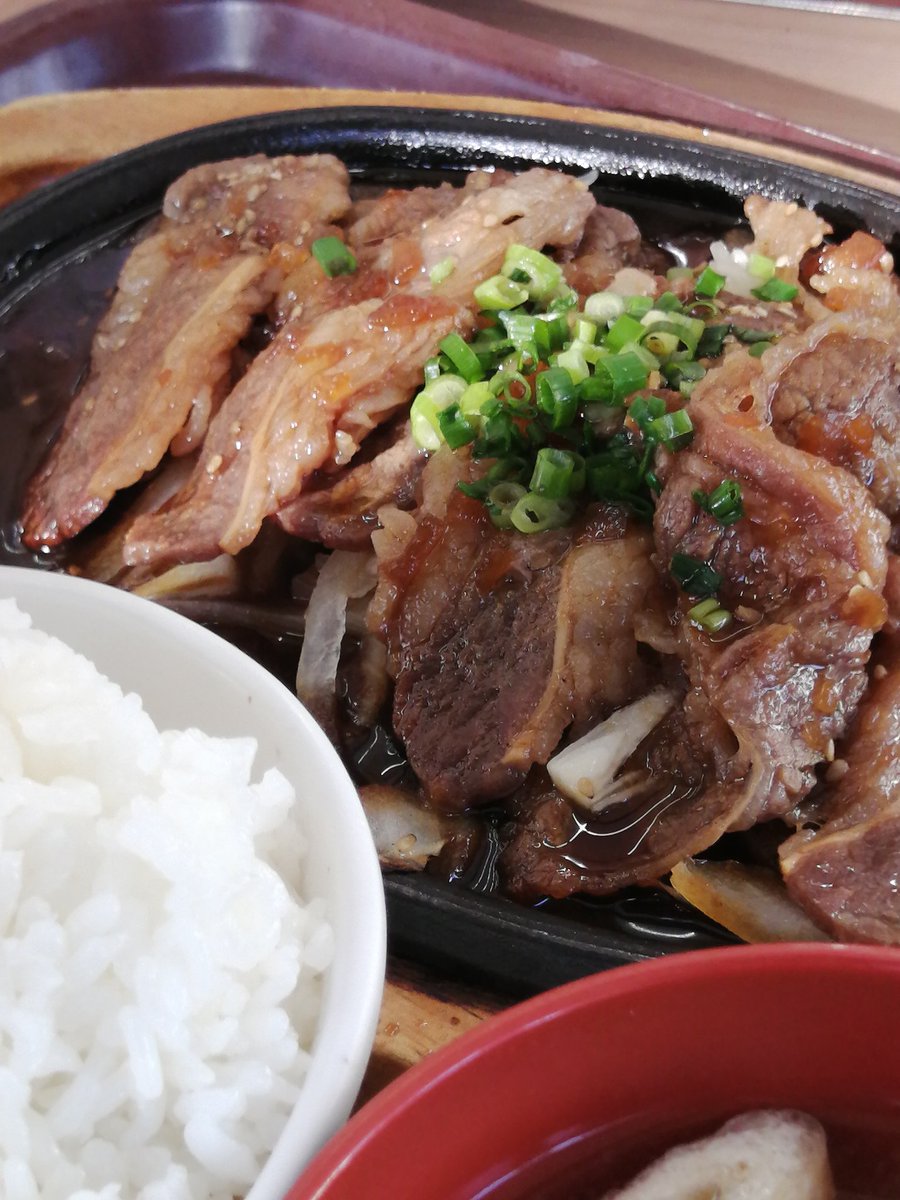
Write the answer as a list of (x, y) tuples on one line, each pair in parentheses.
[(188, 676)]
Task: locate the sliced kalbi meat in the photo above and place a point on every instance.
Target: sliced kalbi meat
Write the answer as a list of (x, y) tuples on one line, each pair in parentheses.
[(611, 241), (162, 356), (782, 230), (324, 384), (307, 294), (855, 275), (341, 511), (845, 875), (400, 211), (803, 571), (835, 392), (498, 642), (537, 208), (333, 380)]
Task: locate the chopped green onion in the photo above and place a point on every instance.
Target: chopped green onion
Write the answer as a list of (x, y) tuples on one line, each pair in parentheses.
[(542, 274), (500, 292), (624, 329), (709, 616), (637, 306), (644, 409), (463, 357), (604, 307), (712, 340), (660, 342), (674, 429), (694, 576), (618, 376), (556, 396), (456, 429), (668, 302), (574, 362), (500, 438), (760, 266), (432, 368), (333, 256), (550, 333), (439, 394), (744, 334), (758, 349), (564, 299), (474, 399), (552, 475), (534, 514), (723, 502), (709, 283), (442, 270), (501, 500), (678, 373), (519, 326), (585, 331), (776, 289), (516, 392)]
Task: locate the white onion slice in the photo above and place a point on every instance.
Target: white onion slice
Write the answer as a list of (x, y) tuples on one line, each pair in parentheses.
[(585, 772)]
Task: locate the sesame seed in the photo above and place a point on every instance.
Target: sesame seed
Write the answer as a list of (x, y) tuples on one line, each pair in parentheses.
[(586, 787), (214, 464), (837, 770), (829, 751), (880, 672)]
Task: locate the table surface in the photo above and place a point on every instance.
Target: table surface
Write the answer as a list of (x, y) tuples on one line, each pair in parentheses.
[(43, 137)]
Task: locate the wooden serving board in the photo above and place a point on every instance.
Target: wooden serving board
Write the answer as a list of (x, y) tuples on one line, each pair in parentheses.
[(44, 137)]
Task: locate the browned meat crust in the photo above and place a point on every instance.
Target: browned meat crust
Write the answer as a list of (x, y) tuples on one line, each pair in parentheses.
[(342, 509), (162, 355)]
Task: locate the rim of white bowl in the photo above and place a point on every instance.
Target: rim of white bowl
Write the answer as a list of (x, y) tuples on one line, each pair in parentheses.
[(355, 982)]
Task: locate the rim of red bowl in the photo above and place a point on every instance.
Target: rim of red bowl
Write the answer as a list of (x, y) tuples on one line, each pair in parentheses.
[(780, 960)]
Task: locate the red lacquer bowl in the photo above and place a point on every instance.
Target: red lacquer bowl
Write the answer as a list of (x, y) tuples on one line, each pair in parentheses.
[(589, 1081)]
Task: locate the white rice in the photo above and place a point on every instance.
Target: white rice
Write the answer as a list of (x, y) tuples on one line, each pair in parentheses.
[(160, 978)]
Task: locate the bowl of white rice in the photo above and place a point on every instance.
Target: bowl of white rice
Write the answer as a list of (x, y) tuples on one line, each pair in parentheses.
[(192, 924)]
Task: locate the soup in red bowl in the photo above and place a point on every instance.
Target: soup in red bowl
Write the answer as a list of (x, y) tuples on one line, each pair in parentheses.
[(572, 1093)]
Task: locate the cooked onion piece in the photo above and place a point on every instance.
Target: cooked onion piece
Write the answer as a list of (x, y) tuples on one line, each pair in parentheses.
[(216, 578), (345, 575), (585, 772), (748, 901), (776, 1155), (406, 835)]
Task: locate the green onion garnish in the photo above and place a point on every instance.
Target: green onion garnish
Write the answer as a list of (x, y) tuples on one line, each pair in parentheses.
[(712, 339), (604, 307), (624, 329), (534, 514), (557, 397), (499, 292), (334, 257), (463, 357), (552, 475), (760, 266), (709, 283), (668, 302), (776, 289), (618, 376), (758, 349), (540, 274), (695, 577), (638, 306), (723, 502), (745, 334), (674, 429), (455, 428), (441, 271), (709, 616)]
